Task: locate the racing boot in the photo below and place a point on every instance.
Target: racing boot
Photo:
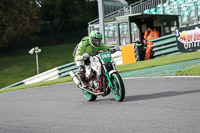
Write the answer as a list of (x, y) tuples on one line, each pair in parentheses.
[(81, 74), (84, 82)]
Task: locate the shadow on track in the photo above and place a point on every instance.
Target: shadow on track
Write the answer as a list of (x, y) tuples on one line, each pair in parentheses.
[(159, 95), (153, 96)]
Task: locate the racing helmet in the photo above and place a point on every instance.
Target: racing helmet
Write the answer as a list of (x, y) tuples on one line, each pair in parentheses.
[(95, 38)]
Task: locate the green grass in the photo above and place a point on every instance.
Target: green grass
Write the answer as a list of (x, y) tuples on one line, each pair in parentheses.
[(159, 61), (193, 70), (18, 65)]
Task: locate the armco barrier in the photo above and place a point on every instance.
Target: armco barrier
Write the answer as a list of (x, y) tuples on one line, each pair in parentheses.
[(64, 69), (165, 45), (51, 74)]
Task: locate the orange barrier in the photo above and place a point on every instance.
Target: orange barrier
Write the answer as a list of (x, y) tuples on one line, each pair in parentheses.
[(128, 54)]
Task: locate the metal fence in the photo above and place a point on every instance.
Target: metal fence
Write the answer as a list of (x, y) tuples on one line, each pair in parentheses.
[(141, 6), (189, 11)]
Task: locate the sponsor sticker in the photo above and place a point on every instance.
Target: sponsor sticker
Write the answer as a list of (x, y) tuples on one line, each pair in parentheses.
[(106, 57), (188, 38)]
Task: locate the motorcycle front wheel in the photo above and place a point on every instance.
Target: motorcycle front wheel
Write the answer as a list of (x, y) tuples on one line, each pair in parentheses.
[(118, 90), (88, 96)]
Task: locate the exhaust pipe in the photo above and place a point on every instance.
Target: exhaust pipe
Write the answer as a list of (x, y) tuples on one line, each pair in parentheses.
[(98, 93), (74, 77)]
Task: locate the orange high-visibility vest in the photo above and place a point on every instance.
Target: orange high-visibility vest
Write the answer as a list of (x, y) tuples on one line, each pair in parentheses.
[(156, 33), (149, 45), (146, 34), (148, 52), (150, 37)]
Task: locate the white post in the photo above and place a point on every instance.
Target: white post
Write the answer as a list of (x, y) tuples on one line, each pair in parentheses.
[(101, 19), (36, 50), (37, 63)]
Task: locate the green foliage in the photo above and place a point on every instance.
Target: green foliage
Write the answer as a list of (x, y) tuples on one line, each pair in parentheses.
[(67, 15), (22, 21), (18, 18)]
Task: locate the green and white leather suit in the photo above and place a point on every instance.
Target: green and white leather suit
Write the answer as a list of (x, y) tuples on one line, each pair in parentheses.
[(85, 47)]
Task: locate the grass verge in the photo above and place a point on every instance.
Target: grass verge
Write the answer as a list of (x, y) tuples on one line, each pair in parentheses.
[(159, 61), (193, 70), (44, 83)]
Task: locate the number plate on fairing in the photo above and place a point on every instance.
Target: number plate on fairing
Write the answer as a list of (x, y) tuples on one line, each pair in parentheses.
[(106, 57)]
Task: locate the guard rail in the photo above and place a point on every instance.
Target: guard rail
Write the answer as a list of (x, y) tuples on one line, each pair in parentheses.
[(164, 46)]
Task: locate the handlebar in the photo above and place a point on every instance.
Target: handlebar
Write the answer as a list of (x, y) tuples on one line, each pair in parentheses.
[(108, 50)]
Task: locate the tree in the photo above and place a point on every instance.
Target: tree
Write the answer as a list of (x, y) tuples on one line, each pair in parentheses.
[(19, 18), (67, 15), (24, 19)]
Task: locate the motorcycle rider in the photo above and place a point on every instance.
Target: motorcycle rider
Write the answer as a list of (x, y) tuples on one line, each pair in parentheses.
[(88, 45)]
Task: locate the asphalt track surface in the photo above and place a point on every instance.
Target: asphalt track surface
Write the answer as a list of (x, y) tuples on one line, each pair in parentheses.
[(152, 105)]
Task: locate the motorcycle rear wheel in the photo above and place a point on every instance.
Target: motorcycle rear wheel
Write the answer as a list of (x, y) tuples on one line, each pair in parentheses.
[(118, 90), (88, 96)]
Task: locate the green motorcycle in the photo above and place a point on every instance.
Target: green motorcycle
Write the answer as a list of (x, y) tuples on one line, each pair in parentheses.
[(102, 77)]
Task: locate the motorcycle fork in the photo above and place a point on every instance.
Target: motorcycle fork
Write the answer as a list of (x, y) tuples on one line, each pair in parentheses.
[(100, 83), (108, 77), (103, 83), (109, 80)]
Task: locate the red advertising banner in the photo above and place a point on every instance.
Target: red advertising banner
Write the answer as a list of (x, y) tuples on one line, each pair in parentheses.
[(188, 38)]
